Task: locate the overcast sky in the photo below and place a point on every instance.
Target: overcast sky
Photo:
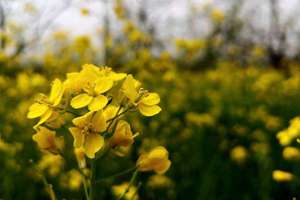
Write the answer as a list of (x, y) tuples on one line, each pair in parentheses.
[(169, 16)]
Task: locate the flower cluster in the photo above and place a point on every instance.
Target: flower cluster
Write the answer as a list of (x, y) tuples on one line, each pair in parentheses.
[(96, 98), (91, 105)]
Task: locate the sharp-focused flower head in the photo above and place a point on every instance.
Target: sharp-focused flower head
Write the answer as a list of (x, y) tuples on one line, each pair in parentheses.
[(46, 106), (95, 99), (87, 131)]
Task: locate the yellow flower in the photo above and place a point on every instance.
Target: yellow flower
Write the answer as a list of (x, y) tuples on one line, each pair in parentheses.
[(47, 140), (291, 153), (71, 180), (122, 135), (93, 97), (282, 176), (46, 106), (53, 164), (130, 88), (118, 190), (147, 103), (84, 11), (238, 153), (157, 160), (86, 132)]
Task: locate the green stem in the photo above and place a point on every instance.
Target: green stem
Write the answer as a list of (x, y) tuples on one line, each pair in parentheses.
[(116, 175), (86, 193), (93, 182), (49, 188), (134, 175)]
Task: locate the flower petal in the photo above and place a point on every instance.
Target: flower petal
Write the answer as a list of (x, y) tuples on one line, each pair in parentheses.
[(103, 85), (45, 138), (36, 110), (99, 122), (44, 117), (78, 137), (83, 121), (98, 103), (148, 111), (81, 101), (162, 167), (93, 143), (111, 111), (150, 99), (56, 92), (130, 89)]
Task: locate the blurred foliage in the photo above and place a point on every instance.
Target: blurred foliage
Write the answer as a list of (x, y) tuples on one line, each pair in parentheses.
[(223, 108)]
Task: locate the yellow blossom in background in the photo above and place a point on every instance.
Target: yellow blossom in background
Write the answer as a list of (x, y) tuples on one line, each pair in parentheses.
[(159, 181), (47, 140), (50, 163), (282, 176), (217, 15), (72, 180), (238, 154), (291, 153), (286, 136), (84, 11), (118, 190), (156, 160)]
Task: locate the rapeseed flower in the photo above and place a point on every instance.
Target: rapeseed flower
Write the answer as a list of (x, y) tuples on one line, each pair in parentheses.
[(156, 160), (46, 106), (87, 131)]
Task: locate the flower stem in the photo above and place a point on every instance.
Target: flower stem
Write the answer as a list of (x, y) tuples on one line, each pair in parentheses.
[(117, 174), (134, 175), (93, 182), (49, 188), (86, 193)]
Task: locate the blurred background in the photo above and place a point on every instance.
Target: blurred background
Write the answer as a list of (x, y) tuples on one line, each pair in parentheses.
[(228, 73)]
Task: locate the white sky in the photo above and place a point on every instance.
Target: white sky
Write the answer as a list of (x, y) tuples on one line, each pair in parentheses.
[(169, 16)]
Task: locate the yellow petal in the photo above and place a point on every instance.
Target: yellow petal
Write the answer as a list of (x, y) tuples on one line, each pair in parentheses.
[(130, 89), (98, 103), (148, 111), (93, 143), (150, 99), (81, 101), (78, 137), (45, 138), (111, 111), (44, 117), (122, 135), (90, 72), (36, 110), (158, 152), (103, 85), (83, 121), (163, 167), (56, 92), (117, 76), (99, 122)]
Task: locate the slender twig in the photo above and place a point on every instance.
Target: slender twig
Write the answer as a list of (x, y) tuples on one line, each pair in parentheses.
[(134, 175), (93, 176), (116, 175), (136, 191)]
